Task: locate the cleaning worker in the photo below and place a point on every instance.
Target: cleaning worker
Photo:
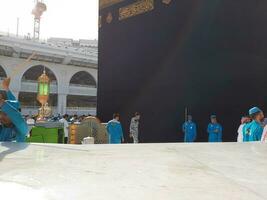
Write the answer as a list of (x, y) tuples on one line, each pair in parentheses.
[(13, 126), (114, 129), (190, 130), (253, 130), (214, 130), (244, 120)]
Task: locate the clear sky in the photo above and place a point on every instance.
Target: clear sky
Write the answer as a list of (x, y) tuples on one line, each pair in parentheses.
[(77, 19)]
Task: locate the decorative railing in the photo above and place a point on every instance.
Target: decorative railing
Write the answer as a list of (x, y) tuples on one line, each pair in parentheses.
[(82, 90), (32, 110), (83, 86), (31, 86)]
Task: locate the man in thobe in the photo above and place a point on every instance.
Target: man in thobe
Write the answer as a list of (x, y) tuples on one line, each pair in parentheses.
[(30, 122), (114, 129), (244, 120), (253, 130), (190, 130), (134, 127), (264, 134), (66, 127), (214, 130)]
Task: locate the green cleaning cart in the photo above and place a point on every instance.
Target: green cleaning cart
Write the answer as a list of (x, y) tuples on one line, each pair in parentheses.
[(47, 132)]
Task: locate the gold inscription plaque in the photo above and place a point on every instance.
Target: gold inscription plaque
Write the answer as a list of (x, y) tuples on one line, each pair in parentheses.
[(166, 1), (137, 8), (107, 3)]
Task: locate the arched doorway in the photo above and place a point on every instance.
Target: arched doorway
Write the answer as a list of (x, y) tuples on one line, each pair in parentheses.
[(28, 93)]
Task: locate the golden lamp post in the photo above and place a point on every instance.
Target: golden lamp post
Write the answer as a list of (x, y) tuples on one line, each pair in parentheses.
[(43, 96)]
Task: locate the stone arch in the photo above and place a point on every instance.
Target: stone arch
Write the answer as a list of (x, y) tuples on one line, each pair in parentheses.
[(28, 93), (83, 78), (3, 73), (84, 102), (33, 72)]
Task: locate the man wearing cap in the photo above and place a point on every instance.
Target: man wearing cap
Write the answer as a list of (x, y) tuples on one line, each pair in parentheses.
[(253, 130), (214, 130), (190, 130)]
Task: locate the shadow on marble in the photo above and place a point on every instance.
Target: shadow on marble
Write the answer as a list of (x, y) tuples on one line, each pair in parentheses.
[(11, 148)]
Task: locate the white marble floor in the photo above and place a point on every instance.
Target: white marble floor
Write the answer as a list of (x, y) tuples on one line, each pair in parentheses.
[(129, 172)]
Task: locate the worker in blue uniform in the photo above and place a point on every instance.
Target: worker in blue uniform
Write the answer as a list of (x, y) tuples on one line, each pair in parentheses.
[(114, 129), (190, 130), (13, 127), (253, 130), (214, 130)]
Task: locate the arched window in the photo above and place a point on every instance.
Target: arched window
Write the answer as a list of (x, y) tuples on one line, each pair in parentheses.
[(83, 78), (34, 72)]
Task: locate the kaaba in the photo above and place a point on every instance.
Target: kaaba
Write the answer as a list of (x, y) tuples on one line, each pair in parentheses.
[(166, 58)]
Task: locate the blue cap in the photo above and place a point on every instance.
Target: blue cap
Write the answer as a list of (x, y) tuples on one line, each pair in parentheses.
[(254, 110), (213, 116)]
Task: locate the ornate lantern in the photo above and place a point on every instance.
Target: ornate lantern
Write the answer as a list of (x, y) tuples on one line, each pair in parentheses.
[(43, 95)]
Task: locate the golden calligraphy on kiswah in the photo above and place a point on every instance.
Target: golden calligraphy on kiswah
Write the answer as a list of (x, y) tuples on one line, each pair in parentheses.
[(137, 8), (107, 3)]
